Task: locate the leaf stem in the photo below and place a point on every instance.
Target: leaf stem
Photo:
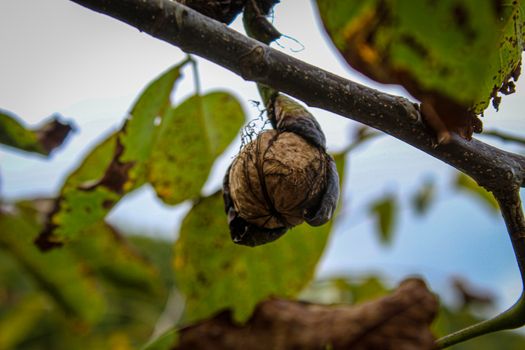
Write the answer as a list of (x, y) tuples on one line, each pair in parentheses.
[(196, 76), (514, 317), (512, 212), (257, 27)]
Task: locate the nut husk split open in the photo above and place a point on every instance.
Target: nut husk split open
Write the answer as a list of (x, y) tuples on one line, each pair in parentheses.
[(281, 179)]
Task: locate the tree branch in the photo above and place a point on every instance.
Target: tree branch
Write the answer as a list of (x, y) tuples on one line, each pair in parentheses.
[(196, 34), (511, 210), (498, 171)]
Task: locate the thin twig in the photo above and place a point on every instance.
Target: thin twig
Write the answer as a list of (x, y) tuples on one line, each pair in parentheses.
[(505, 136), (512, 212)]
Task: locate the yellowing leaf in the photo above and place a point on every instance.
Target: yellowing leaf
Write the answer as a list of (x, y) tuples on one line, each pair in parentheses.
[(453, 54), (192, 135), (138, 134), (80, 203), (114, 167), (215, 274)]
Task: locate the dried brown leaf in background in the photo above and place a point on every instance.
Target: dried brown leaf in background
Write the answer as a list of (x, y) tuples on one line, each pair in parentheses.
[(398, 321)]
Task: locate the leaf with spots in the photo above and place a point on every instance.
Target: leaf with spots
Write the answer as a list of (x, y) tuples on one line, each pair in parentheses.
[(453, 55), (140, 130), (42, 140), (80, 203), (113, 168), (191, 136), (215, 274)]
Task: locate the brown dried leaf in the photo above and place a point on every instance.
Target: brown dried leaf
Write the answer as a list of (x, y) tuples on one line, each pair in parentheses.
[(398, 321), (43, 139), (53, 133)]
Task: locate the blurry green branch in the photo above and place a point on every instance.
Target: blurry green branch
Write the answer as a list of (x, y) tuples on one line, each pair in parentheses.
[(504, 136)]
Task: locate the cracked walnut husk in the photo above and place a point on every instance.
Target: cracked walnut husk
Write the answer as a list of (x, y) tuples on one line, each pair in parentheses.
[(280, 180), (276, 178)]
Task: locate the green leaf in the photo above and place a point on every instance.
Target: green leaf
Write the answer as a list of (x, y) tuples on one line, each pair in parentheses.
[(158, 251), (166, 341), (94, 164), (193, 134), (370, 288), (423, 198), (80, 202), (111, 257), (468, 184), (115, 167), (20, 320), (385, 210), (216, 274), (340, 164), (42, 140), (138, 134), (57, 273), (458, 50), (343, 289)]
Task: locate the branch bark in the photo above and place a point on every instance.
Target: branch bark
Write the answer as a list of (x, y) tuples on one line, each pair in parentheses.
[(500, 172), (196, 34)]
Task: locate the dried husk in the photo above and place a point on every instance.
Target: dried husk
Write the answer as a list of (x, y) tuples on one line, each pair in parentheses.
[(276, 178)]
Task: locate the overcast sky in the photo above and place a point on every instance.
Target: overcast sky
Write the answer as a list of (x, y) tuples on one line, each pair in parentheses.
[(59, 57)]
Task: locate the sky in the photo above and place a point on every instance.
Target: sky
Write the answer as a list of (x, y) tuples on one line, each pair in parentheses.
[(58, 57)]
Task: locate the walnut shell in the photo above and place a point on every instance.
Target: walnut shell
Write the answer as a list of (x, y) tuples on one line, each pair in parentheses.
[(276, 179)]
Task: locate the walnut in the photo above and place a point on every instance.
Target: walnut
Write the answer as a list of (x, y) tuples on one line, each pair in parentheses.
[(281, 179)]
